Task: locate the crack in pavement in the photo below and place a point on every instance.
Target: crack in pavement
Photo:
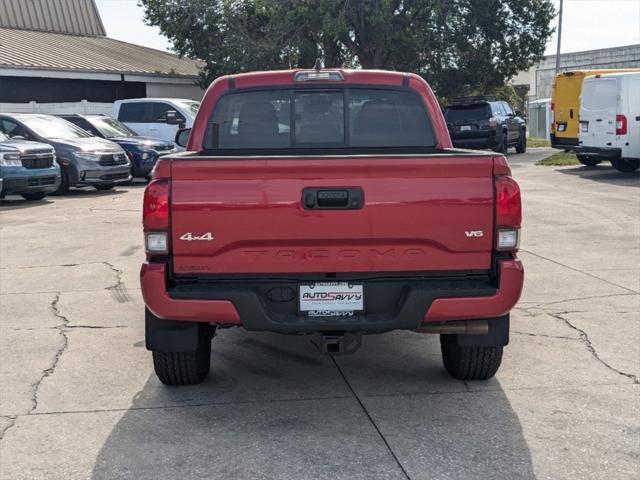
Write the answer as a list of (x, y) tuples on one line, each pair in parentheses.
[(584, 338), (579, 271), (69, 327), (102, 209), (78, 290), (56, 359), (373, 423), (52, 266), (545, 336), (98, 327), (11, 422), (118, 290), (544, 388), (61, 327), (546, 304)]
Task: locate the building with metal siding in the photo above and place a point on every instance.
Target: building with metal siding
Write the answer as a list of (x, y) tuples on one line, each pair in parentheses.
[(59, 52), (536, 82), (72, 17)]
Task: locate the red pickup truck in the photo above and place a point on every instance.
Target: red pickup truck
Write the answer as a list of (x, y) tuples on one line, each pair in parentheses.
[(328, 202)]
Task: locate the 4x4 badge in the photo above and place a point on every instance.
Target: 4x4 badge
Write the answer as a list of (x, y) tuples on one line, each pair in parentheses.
[(189, 237)]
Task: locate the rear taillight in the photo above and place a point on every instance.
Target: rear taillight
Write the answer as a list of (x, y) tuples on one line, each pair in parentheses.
[(553, 117), (621, 125), (493, 122), (155, 217), (508, 214)]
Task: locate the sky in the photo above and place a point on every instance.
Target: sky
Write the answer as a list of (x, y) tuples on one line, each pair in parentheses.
[(586, 24)]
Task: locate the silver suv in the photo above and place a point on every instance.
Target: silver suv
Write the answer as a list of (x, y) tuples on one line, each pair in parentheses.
[(85, 160)]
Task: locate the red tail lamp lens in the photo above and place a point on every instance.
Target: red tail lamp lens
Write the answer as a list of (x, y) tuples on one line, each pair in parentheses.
[(621, 125), (508, 202), (155, 209)]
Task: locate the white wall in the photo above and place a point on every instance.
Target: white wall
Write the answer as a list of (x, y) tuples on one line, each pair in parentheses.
[(172, 90), (57, 108), (539, 121)]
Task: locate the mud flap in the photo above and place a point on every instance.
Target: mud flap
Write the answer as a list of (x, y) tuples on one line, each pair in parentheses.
[(498, 335), (174, 336)]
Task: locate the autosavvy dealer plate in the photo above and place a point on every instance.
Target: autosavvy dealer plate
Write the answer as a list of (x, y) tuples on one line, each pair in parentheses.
[(331, 299)]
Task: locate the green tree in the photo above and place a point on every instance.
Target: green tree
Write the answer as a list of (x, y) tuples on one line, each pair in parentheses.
[(458, 46)]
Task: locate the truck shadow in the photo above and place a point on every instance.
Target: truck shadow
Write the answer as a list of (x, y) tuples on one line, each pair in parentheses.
[(274, 408), (604, 173)]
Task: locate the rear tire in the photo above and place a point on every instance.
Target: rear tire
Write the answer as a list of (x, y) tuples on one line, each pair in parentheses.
[(104, 187), (183, 368), (503, 146), (469, 363), (626, 166), (521, 147), (34, 196), (588, 161)]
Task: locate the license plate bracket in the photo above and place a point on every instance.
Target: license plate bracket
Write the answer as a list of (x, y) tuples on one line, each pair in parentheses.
[(331, 299)]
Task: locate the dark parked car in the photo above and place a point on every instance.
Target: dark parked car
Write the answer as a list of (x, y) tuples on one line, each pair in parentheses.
[(85, 160), (481, 122), (27, 168), (142, 151)]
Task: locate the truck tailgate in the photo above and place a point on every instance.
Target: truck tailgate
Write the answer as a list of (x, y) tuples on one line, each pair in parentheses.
[(245, 215)]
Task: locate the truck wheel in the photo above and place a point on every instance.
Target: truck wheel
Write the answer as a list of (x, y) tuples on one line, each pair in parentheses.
[(521, 147), (104, 186), (626, 166), (588, 161), (183, 368), (469, 363), (34, 196)]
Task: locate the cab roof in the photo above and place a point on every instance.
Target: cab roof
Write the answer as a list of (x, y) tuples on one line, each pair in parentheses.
[(286, 77)]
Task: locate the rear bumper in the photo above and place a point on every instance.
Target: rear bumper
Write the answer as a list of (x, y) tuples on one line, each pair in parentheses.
[(411, 302), (565, 143), (484, 140), (600, 152)]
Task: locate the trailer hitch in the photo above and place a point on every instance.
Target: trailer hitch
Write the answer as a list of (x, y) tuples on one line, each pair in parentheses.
[(338, 343)]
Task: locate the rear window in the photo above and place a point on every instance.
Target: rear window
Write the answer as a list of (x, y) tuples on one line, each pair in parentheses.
[(306, 118), (134, 112), (599, 94), (462, 113)]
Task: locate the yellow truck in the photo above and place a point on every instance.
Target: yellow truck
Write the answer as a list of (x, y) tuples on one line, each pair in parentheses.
[(565, 106)]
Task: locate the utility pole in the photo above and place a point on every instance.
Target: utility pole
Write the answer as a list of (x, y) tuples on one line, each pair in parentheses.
[(559, 38)]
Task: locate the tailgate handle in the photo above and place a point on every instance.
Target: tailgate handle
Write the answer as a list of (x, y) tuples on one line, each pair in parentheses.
[(332, 198)]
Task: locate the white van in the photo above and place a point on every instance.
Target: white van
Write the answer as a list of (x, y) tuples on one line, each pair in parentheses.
[(156, 117), (610, 120)]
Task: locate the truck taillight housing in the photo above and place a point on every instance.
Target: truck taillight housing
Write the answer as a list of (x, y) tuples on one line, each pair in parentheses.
[(155, 217), (621, 125), (508, 214)]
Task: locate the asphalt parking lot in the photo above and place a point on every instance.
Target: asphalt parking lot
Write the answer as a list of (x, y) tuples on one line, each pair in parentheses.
[(79, 399)]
